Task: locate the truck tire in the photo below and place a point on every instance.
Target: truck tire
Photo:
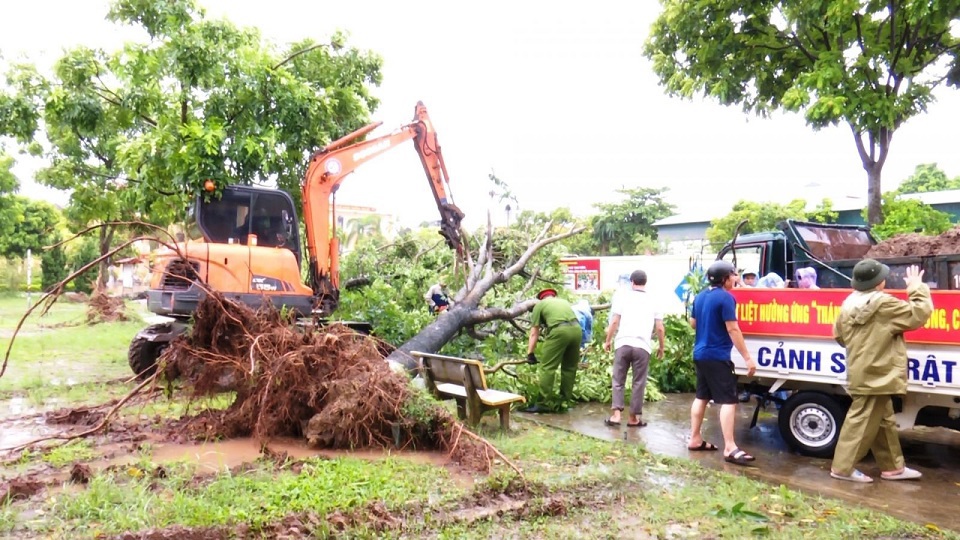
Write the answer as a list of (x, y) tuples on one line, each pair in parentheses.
[(810, 423)]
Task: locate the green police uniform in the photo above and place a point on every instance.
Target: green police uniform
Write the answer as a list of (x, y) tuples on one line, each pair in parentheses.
[(560, 347)]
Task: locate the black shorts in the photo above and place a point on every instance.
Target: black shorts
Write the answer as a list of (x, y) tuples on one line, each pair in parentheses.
[(716, 380)]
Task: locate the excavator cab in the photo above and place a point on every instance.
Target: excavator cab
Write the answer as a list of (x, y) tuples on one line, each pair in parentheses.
[(243, 213)]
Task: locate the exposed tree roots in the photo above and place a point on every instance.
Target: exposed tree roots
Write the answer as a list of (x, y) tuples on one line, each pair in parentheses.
[(330, 386)]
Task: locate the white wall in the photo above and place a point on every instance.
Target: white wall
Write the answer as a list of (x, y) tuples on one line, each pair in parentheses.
[(664, 273)]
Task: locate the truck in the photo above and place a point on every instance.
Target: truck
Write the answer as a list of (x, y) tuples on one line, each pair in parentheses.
[(244, 242), (789, 332)]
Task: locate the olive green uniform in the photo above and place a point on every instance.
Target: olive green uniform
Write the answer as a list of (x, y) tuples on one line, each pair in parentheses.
[(870, 326), (561, 345)]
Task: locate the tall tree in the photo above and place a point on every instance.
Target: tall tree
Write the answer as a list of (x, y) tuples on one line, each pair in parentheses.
[(8, 186), (33, 225), (135, 134), (928, 177), (872, 65), (619, 227)]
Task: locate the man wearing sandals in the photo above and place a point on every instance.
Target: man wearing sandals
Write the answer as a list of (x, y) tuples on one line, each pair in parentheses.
[(870, 326), (633, 319), (714, 317)]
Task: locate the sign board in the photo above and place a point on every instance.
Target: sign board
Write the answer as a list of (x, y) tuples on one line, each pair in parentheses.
[(581, 274)]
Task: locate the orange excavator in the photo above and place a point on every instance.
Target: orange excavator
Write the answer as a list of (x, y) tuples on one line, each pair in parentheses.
[(246, 243)]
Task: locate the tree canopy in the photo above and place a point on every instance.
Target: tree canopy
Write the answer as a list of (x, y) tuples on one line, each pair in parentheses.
[(908, 215), (620, 227), (135, 133), (928, 177), (764, 217), (870, 65)]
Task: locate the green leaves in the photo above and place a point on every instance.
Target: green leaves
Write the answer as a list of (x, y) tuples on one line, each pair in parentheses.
[(871, 65), (765, 216), (619, 228)]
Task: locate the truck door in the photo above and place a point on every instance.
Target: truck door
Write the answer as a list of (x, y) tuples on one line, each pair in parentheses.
[(747, 258)]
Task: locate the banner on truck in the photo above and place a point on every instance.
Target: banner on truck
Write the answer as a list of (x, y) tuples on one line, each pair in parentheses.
[(810, 313)]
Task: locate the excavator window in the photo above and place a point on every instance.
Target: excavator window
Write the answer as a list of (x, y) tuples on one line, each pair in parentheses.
[(242, 211)]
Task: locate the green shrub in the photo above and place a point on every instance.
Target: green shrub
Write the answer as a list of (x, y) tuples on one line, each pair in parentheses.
[(675, 372)]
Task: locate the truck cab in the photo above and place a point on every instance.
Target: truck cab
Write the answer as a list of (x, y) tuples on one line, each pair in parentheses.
[(831, 249)]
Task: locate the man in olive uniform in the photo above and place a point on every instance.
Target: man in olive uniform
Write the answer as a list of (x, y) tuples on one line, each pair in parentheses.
[(561, 346), (870, 326)]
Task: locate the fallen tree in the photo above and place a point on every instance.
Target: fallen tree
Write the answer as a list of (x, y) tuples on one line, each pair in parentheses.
[(468, 311)]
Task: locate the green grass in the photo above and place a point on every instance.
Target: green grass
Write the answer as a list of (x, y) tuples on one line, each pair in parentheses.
[(67, 454), (121, 501), (60, 349), (612, 489)]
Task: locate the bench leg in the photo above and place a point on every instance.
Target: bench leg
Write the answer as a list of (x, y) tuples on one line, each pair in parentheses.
[(474, 411), (504, 412), (461, 409)]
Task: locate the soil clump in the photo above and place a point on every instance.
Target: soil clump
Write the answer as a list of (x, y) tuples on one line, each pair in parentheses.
[(917, 245)]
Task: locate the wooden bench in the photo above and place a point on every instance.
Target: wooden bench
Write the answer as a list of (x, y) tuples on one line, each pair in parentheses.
[(449, 377)]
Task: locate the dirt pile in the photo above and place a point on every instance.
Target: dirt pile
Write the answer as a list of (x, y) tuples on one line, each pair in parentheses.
[(331, 386), (918, 245), (104, 308)]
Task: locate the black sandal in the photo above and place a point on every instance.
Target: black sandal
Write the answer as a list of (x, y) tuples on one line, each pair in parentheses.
[(739, 457)]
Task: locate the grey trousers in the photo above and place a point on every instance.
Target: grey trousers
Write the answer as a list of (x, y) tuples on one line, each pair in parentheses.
[(638, 361)]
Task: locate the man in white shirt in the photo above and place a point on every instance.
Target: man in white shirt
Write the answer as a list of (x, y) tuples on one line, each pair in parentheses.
[(633, 319)]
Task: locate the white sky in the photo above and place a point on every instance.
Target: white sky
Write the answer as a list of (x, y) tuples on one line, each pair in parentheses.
[(555, 97)]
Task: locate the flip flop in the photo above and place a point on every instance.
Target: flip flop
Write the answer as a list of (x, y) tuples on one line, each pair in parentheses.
[(641, 423), (704, 447), (906, 474), (611, 423), (855, 476), (739, 457)]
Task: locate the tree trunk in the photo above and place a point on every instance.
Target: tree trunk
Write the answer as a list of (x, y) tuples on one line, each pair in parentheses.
[(873, 154), (466, 311), (103, 269), (874, 199)]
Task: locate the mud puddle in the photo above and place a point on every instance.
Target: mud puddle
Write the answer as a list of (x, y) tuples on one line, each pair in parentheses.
[(218, 456), (22, 422)]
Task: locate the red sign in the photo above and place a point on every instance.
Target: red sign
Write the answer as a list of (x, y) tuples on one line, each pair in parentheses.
[(581, 274), (811, 313)]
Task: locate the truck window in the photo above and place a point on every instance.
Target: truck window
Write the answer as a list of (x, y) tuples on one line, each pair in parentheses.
[(748, 258)]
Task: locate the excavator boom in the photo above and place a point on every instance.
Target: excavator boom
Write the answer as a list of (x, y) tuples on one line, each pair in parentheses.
[(329, 167)]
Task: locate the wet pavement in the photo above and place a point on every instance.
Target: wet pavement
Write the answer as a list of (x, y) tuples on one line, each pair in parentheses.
[(933, 451)]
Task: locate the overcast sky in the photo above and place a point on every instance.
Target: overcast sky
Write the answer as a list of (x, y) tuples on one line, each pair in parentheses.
[(555, 97)]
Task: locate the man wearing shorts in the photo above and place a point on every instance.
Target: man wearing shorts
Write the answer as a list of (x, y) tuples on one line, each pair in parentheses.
[(714, 317)]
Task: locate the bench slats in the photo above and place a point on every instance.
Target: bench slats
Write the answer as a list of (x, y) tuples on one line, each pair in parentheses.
[(463, 379), (493, 398)]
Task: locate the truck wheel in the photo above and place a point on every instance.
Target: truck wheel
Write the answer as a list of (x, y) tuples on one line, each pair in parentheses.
[(810, 422)]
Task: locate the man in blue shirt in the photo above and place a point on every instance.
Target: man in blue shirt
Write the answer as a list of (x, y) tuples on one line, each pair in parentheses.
[(714, 318)]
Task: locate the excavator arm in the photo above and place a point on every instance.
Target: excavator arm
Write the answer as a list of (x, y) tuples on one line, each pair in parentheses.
[(330, 166)]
